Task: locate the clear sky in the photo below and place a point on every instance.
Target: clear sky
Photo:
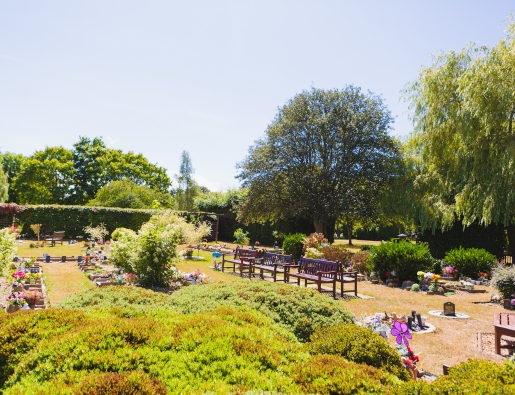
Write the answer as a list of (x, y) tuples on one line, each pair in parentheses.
[(160, 77)]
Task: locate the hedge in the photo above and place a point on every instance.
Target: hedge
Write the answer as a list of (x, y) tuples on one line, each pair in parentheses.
[(73, 219)]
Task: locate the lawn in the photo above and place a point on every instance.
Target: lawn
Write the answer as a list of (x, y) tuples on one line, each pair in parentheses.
[(24, 250)]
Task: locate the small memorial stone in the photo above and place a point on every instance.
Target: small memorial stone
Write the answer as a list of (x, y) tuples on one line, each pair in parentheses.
[(413, 313), (449, 308), (419, 321)]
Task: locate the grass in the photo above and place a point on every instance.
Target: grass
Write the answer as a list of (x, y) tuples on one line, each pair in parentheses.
[(24, 250), (63, 279)]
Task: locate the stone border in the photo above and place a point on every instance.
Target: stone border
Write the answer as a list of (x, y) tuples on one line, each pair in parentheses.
[(439, 313)]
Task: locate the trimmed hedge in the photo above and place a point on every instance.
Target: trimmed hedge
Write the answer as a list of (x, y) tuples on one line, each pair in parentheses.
[(360, 345), (73, 219)]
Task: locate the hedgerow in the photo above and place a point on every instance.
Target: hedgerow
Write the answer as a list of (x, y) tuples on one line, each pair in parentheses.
[(299, 310)]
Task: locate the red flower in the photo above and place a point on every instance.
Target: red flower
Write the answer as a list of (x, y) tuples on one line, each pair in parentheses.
[(387, 273)]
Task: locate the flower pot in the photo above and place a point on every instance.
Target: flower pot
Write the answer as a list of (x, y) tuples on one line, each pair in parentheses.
[(13, 308), (507, 304), (17, 288)]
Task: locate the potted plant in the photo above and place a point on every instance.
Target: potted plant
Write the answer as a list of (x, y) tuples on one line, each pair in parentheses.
[(14, 302)]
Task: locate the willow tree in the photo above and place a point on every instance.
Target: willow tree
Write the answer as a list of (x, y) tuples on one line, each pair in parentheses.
[(464, 108), (324, 157)]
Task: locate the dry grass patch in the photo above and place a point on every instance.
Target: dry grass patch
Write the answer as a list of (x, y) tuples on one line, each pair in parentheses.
[(63, 279)]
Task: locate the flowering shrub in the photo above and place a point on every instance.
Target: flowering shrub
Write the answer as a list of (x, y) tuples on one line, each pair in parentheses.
[(241, 237), (155, 251), (97, 232), (314, 240), (313, 253), (336, 253), (123, 249), (7, 248), (360, 261), (503, 279)]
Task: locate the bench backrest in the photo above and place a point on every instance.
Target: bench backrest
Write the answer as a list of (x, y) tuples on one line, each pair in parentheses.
[(269, 259), (312, 266), (504, 319), (242, 253), (58, 235)]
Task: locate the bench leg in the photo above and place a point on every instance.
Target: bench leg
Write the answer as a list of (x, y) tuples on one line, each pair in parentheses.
[(305, 283), (261, 274), (497, 341), (356, 286), (319, 286), (341, 288), (275, 275), (223, 264), (298, 282), (334, 289)]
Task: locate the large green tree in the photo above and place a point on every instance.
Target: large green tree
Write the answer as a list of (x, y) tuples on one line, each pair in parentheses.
[(325, 156), (96, 166), (463, 111), (4, 184), (126, 194), (13, 165), (47, 177)]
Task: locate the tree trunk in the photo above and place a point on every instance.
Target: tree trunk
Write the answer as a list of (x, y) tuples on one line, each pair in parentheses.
[(511, 240), (349, 232), (320, 226)]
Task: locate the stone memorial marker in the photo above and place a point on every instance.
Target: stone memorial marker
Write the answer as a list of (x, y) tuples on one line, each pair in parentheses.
[(449, 308), (410, 322), (413, 313), (419, 321)]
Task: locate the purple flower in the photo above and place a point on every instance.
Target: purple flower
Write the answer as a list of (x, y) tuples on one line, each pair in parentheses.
[(401, 331), (513, 302)]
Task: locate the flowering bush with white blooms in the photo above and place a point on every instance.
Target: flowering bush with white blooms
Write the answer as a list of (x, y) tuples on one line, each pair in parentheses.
[(123, 249), (155, 255), (7, 248)]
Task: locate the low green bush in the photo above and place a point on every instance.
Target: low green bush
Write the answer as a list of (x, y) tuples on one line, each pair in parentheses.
[(503, 279), (360, 345), (470, 261), (222, 352), (330, 374), (293, 245), (299, 310), (472, 377), (403, 257), (134, 383)]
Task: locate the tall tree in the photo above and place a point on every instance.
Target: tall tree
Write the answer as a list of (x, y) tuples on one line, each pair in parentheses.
[(4, 184), (96, 166), (325, 156), (464, 108), (47, 177), (13, 165), (187, 189)]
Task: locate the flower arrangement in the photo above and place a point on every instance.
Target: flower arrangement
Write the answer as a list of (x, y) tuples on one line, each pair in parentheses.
[(496, 298), (483, 276), (17, 299), (435, 279), (374, 323), (196, 277), (19, 276), (31, 297), (450, 270), (130, 278)]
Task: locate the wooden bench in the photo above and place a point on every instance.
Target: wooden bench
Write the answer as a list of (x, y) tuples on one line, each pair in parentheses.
[(57, 236), (504, 324), (273, 263), (314, 271), (241, 257), (345, 277)]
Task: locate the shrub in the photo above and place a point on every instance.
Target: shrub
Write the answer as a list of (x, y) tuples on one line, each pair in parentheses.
[(133, 383), (241, 237), (330, 374), (366, 247), (471, 377), (123, 249), (313, 253), (404, 258), (293, 245), (503, 279), (314, 240), (135, 299), (7, 248), (470, 261), (123, 233), (415, 288), (360, 345), (360, 261), (224, 351), (336, 253), (299, 310)]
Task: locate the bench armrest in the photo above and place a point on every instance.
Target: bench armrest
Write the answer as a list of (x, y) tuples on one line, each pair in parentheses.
[(334, 271), (291, 265)]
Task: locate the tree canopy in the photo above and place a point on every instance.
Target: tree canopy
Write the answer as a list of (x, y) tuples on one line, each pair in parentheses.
[(126, 194), (4, 184), (325, 155), (463, 111), (188, 189)]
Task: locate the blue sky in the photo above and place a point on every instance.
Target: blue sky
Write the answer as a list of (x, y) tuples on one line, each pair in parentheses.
[(160, 77)]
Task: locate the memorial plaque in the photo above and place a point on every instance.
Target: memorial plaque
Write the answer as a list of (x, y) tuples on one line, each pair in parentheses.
[(449, 308)]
